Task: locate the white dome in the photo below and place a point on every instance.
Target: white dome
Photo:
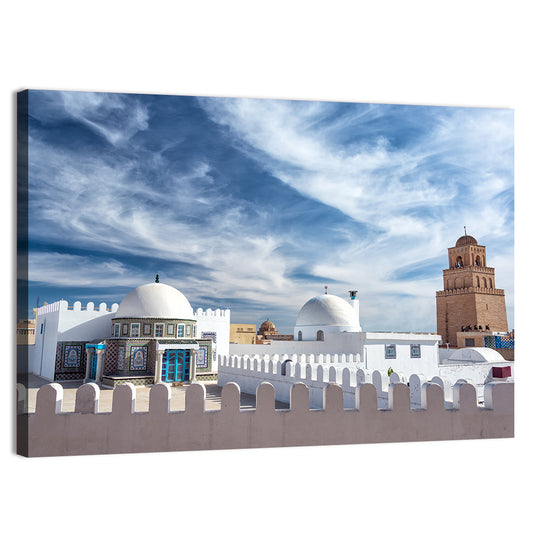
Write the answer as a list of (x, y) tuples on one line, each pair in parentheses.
[(327, 310), (155, 300)]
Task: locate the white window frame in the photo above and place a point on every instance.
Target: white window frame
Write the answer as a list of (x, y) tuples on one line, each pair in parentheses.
[(135, 326), (181, 327), (162, 325), (387, 346), (188, 330), (419, 351)]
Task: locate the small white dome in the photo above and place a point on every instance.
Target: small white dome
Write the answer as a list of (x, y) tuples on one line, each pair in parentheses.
[(328, 310), (155, 300)]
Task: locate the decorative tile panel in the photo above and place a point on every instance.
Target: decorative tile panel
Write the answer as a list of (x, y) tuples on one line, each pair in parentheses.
[(209, 335), (110, 361), (72, 357), (202, 359), (138, 356)]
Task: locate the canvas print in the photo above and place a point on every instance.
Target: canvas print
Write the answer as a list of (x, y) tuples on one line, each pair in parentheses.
[(199, 273)]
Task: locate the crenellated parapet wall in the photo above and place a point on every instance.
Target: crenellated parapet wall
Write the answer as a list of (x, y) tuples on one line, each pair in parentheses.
[(222, 313), (50, 432), (470, 268), (317, 371), (468, 290), (63, 306)]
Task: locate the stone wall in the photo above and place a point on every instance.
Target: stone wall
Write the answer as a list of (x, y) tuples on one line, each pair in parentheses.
[(462, 307)]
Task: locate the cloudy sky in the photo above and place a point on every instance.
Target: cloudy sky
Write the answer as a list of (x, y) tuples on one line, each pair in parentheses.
[(256, 205)]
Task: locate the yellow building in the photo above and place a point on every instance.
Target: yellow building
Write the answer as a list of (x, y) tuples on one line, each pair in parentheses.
[(242, 333)]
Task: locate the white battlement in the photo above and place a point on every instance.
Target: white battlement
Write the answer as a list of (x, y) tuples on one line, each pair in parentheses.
[(51, 432), (316, 371), (63, 305), (222, 313)]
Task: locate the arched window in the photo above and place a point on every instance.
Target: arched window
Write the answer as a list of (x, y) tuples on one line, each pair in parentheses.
[(485, 282), (319, 335), (490, 283), (299, 335), (478, 261), (459, 262), (477, 278)]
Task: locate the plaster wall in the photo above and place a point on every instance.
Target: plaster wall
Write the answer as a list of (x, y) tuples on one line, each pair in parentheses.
[(427, 363), (370, 345), (49, 432), (343, 342), (479, 374), (309, 333), (84, 325), (59, 323), (42, 360), (217, 321)]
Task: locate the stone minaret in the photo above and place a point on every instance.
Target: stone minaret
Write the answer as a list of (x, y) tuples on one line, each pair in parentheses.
[(469, 297)]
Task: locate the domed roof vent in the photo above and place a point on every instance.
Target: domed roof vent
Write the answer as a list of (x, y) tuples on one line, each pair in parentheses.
[(327, 310), (466, 239), (155, 300)]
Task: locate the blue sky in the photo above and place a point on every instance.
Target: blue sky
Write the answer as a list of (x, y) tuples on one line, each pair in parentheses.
[(256, 204)]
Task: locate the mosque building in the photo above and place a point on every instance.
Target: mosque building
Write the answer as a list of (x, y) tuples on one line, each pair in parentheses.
[(471, 311), (153, 336), (328, 335), (267, 332)]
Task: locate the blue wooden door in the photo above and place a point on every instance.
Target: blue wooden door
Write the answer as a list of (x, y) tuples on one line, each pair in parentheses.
[(94, 363), (176, 366)]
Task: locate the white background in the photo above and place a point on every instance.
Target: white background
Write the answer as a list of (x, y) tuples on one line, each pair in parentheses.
[(446, 53)]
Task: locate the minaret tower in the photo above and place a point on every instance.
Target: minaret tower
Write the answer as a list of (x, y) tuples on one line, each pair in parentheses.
[(469, 301)]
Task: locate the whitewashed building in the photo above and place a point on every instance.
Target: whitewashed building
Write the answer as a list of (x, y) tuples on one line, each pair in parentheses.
[(329, 339), (153, 336)]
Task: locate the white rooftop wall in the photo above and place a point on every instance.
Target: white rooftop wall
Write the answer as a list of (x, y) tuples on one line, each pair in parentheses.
[(217, 321), (79, 324), (56, 323)]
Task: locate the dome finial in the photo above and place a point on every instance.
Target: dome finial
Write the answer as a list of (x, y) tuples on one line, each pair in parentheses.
[(157, 278), (326, 289), (465, 229)]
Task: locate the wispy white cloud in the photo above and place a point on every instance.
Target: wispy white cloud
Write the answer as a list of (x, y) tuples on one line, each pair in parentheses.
[(413, 200), (96, 109), (410, 201)]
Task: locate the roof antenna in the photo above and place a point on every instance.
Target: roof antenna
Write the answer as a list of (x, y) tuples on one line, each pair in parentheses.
[(465, 229), (326, 287), (157, 278)]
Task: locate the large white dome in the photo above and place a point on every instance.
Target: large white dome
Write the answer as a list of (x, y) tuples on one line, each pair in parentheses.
[(328, 310), (155, 300)]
